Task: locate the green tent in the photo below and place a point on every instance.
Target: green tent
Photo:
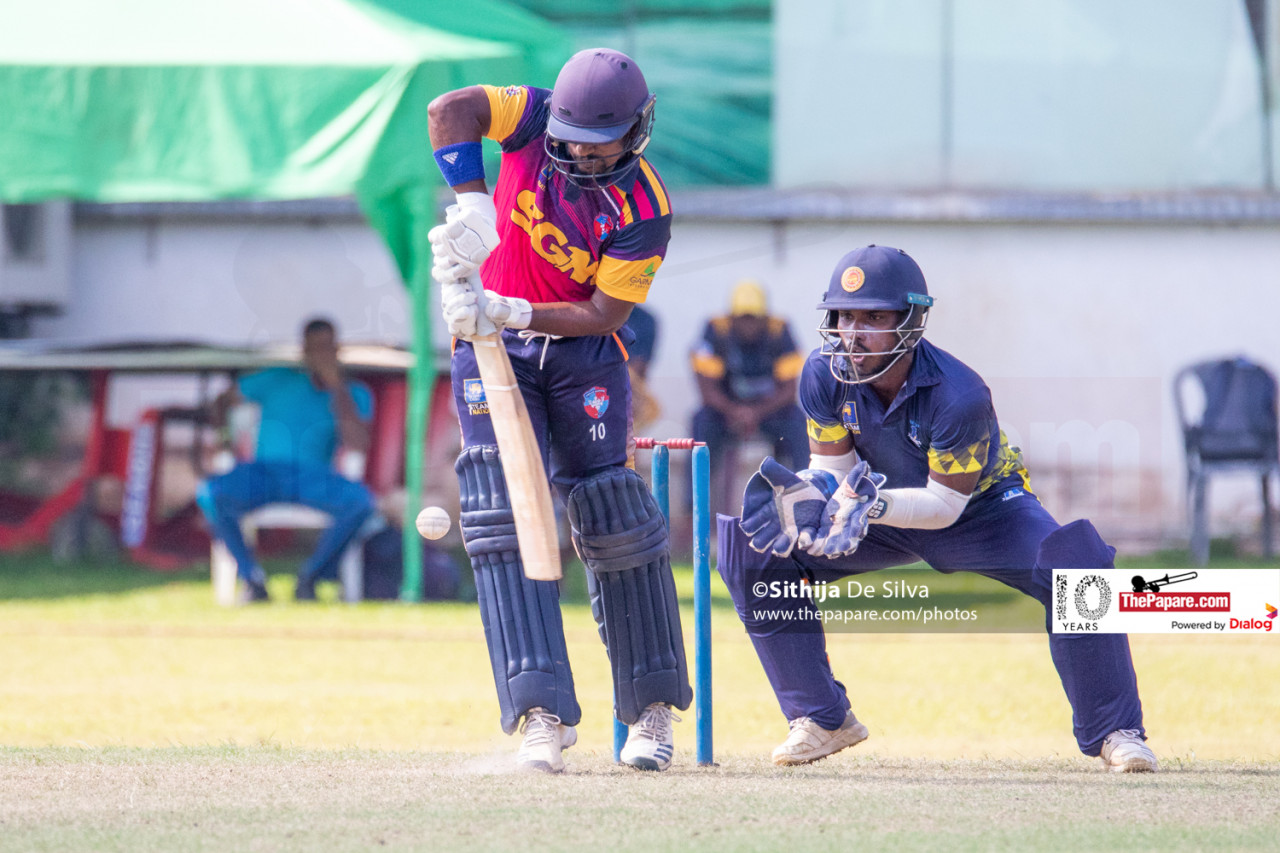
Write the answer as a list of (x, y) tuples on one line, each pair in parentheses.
[(172, 100)]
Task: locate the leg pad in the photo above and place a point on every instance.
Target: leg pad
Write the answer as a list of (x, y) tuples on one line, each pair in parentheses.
[(522, 623), (621, 535)]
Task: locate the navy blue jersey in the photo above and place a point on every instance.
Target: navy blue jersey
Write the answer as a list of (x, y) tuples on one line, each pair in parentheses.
[(746, 370), (942, 420), (645, 327)]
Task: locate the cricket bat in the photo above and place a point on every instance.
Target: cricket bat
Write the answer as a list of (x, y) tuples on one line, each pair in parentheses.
[(527, 486)]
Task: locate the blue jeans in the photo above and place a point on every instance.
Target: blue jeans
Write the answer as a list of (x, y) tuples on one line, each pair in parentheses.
[(227, 498)]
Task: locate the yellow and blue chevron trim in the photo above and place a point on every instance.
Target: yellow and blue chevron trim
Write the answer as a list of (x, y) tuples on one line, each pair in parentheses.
[(825, 434), (1008, 461), (963, 460)]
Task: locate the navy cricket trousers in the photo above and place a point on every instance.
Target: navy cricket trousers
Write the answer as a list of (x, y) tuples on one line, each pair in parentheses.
[(995, 538)]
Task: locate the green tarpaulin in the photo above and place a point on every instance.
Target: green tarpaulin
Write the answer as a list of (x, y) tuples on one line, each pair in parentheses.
[(174, 100)]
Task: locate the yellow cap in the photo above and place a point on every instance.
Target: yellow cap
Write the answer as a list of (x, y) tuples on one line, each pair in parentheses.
[(748, 299)]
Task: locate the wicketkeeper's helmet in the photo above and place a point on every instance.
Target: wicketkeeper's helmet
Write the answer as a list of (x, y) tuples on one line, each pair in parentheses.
[(874, 278), (600, 96)]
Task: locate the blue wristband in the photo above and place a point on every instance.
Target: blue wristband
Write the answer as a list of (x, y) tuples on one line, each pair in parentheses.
[(460, 162)]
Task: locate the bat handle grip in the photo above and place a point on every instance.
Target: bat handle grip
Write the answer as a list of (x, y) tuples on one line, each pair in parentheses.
[(484, 326)]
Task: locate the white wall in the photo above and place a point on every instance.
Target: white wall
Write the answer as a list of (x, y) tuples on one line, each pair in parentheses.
[(1079, 94), (236, 284), (1077, 328)]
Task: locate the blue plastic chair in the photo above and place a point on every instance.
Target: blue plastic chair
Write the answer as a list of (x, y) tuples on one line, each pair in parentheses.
[(1237, 431)]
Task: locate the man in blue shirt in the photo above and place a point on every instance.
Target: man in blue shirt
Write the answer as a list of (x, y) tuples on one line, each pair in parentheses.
[(306, 415), (887, 408)]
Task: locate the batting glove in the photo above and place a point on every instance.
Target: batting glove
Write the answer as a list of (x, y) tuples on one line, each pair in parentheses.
[(460, 307), (782, 510), (846, 515), (509, 312), (461, 244)]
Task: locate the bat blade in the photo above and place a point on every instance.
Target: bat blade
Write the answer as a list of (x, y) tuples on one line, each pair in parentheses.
[(527, 486)]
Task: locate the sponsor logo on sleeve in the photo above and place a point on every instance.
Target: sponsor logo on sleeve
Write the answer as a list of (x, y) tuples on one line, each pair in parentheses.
[(849, 417)]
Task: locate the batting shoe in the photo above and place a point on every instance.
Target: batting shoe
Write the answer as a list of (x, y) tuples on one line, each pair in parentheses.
[(545, 737), (1125, 752), (650, 742), (809, 741)]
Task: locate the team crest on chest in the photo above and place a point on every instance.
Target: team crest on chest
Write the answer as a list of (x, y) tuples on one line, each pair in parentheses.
[(596, 401), (849, 417), (603, 226), (913, 434)]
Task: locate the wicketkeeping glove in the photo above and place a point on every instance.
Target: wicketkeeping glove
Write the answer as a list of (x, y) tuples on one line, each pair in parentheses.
[(845, 516), (782, 510)]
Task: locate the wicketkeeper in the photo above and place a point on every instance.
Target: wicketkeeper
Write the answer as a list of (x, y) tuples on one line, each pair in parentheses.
[(908, 463)]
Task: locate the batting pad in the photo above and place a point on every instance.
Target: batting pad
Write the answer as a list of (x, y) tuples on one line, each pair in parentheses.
[(621, 536), (521, 618)]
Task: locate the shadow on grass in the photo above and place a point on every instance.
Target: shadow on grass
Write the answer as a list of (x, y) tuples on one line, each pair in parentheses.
[(36, 575)]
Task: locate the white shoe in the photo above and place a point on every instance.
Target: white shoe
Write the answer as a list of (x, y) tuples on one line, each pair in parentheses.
[(650, 743), (544, 738), (1125, 752), (809, 741)]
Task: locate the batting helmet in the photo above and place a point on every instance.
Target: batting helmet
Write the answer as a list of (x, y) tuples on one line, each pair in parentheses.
[(600, 97), (874, 278)]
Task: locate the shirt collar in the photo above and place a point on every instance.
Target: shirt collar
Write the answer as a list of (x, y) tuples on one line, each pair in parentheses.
[(923, 373)]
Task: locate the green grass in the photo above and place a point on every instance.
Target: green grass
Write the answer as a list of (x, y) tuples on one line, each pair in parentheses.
[(134, 713)]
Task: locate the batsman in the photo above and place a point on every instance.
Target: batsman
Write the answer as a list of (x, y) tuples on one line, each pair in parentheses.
[(908, 463), (568, 243)]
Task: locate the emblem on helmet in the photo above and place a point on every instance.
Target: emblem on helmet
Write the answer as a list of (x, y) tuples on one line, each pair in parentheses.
[(852, 279)]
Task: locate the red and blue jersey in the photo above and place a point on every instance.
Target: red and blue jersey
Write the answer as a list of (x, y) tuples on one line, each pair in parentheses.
[(560, 242), (942, 421)]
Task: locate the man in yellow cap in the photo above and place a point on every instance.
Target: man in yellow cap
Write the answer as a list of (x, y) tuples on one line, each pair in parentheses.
[(747, 367)]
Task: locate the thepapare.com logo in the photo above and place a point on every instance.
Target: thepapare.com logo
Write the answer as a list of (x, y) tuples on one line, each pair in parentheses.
[(1080, 605)]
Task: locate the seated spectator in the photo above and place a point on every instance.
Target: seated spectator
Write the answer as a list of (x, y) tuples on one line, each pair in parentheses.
[(307, 413), (747, 368)]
